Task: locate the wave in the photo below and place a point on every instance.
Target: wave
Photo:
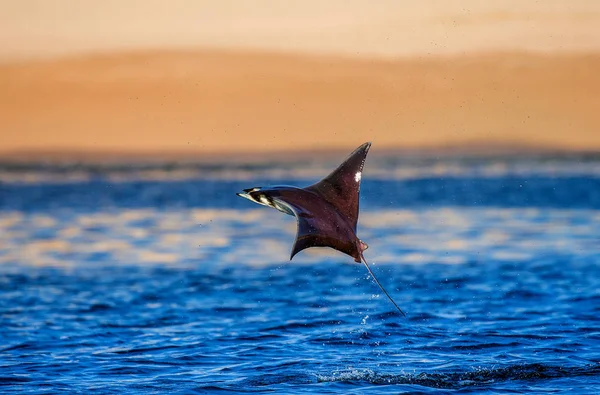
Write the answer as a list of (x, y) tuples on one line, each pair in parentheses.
[(455, 380)]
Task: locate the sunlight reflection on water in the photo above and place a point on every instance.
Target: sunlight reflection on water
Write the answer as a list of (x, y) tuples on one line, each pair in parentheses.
[(262, 237)]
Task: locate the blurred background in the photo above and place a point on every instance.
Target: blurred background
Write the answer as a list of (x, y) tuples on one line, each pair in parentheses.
[(128, 265), (205, 76)]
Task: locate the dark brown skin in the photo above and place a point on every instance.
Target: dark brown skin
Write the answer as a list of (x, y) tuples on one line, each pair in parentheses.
[(320, 224), (327, 212)]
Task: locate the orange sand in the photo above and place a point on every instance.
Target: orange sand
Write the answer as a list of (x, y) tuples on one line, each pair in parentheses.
[(211, 101)]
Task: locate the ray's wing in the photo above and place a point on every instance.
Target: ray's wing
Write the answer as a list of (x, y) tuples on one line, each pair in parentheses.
[(341, 188), (319, 224)]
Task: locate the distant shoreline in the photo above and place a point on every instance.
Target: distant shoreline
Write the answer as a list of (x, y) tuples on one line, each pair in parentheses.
[(466, 150)]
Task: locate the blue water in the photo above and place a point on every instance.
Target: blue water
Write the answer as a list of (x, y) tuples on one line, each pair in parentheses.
[(155, 278)]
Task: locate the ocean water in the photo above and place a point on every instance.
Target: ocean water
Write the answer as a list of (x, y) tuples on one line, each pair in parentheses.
[(155, 278)]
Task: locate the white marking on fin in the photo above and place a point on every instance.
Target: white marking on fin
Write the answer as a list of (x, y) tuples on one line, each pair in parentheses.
[(264, 200), (358, 176)]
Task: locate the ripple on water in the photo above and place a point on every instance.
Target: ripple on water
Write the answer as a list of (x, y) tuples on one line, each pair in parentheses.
[(155, 287)]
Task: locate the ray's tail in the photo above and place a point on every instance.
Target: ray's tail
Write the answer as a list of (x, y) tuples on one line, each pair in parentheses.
[(379, 284)]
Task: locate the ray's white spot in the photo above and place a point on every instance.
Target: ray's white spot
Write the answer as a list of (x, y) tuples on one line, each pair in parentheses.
[(358, 176), (264, 200)]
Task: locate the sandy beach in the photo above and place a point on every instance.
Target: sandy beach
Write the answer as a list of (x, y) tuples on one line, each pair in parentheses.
[(215, 101)]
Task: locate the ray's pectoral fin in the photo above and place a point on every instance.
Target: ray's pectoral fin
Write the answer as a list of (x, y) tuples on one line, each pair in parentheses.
[(341, 188), (327, 211), (321, 231)]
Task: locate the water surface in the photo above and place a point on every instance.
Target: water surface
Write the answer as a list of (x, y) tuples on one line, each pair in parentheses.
[(156, 278)]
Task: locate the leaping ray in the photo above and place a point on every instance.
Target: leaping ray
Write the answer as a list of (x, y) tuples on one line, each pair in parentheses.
[(326, 212)]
